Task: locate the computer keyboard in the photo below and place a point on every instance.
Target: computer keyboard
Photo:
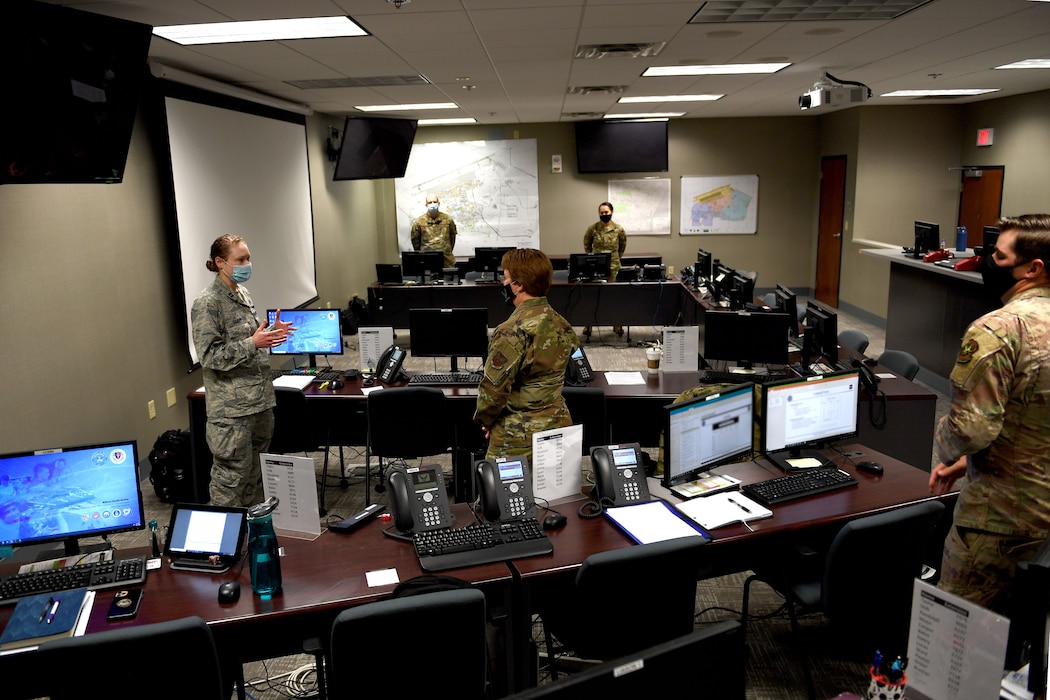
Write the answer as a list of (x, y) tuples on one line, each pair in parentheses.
[(325, 375), (481, 543), (447, 378), (798, 485), (127, 571), (710, 376)]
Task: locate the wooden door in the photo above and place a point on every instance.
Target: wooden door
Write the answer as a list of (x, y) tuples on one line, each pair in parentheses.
[(980, 202), (829, 229)]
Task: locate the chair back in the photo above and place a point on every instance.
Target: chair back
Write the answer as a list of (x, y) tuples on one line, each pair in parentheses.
[(854, 340), (587, 407), (131, 658), (900, 362), (611, 619), (407, 422), (870, 573), (292, 425), (376, 640)]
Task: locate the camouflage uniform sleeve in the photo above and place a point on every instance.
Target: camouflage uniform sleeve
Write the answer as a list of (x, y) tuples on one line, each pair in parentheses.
[(588, 239), (214, 350), (501, 369), (622, 240), (981, 381), (416, 235), (451, 233)]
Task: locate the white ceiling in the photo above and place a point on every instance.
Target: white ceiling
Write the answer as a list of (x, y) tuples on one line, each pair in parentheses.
[(519, 54)]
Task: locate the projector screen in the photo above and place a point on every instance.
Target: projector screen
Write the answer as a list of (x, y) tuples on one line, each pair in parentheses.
[(245, 174)]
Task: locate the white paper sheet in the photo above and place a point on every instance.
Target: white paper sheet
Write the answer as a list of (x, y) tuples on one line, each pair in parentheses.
[(557, 463), (292, 480)]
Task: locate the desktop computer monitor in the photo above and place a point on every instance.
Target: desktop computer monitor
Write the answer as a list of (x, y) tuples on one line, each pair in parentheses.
[(787, 302), (741, 290), (989, 236), (746, 337), (927, 237), (799, 415), (489, 262), (64, 494), (1030, 620), (721, 280), (707, 432), (451, 333), (704, 264), (317, 332), (822, 331), (589, 267), (423, 265)]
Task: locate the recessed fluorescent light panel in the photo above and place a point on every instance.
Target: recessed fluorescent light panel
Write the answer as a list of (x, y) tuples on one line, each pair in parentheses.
[(939, 93), (669, 98), (1028, 63), (406, 108), (724, 69), (441, 122), (642, 116), (260, 30)]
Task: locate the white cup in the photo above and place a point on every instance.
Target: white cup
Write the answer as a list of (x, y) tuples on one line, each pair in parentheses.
[(652, 356)]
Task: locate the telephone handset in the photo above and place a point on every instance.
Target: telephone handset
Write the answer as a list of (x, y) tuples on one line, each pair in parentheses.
[(619, 474), (389, 367), (869, 381), (505, 489), (579, 371), (418, 500)]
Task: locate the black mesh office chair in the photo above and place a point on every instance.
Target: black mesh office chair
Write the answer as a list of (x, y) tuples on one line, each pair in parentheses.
[(854, 340), (864, 583), (587, 408), (600, 618), (900, 362), (428, 645), (404, 423), (292, 425), (175, 659)]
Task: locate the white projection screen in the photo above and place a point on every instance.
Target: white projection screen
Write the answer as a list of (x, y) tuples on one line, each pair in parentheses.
[(245, 174)]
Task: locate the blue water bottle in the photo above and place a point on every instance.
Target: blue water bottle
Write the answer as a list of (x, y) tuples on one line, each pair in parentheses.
[(960, 239), (263, 555)]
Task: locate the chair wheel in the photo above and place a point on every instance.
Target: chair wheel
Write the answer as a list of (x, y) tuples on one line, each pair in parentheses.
[(380, 488)]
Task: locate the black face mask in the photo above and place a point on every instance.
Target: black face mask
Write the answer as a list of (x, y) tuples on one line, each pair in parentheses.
[(606, 218), (508, 295), (997, 279)]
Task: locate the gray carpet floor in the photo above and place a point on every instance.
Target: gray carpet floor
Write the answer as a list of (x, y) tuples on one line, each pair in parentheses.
[(772, 665)]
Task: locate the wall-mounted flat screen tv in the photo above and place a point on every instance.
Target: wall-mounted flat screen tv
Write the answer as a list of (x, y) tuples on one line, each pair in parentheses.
[(621, 147), (374, 148)]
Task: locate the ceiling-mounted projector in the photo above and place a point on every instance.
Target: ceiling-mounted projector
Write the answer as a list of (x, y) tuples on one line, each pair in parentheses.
[(832, 92)]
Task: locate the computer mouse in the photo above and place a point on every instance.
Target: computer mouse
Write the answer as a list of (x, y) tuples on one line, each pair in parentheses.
[(229, 592), (554, 521), (870, 467)]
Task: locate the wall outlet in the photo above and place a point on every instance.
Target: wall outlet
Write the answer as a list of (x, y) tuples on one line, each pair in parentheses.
[(171, 397), (329, 305), (151, 406)]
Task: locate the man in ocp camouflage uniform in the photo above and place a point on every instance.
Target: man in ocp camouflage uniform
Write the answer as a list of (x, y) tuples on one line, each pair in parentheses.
[(520, 393), (435, 230), (998, 429)]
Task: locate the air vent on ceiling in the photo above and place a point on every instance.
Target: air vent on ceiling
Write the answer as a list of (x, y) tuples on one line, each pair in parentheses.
[(596, 89), (802, 10), (375, 81), (647, 50), (582, 115)]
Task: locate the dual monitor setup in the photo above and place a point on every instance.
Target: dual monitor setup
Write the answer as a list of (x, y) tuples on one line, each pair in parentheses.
[(793, 417), (724, 283), (928, 238)]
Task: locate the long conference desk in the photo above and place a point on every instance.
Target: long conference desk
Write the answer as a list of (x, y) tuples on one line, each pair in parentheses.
[(329, 574)]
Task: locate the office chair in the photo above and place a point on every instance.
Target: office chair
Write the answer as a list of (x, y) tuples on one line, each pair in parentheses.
[(406, 422), (596, 620), (864, 584), (900, 362), (854, 340), (427, 645), (175, 659), (587, 408), (292, 426)]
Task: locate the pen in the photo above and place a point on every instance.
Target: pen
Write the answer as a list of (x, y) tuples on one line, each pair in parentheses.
[(324, 385), (741, 507), (47, 607), (54, 609)]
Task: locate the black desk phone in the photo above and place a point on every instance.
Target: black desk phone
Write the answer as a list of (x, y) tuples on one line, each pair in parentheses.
[(579, 371), (418, 499), (505, 489), (619, 475), (389, 367)]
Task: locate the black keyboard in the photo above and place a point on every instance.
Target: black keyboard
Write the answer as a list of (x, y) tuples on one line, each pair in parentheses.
[(710, 376), (316, 375), (129, 571), (798, 485), (447, 378), (482, 543)]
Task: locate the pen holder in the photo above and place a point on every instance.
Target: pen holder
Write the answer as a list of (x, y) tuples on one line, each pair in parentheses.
[(882, 689)]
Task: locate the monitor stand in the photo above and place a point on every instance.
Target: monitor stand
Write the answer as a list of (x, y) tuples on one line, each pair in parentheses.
[(797, 459)]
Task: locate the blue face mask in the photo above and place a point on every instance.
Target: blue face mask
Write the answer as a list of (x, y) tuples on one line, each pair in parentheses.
[(432, 208), (241, 273)]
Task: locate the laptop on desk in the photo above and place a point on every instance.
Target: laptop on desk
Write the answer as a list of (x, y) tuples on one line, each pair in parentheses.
[(205, 538), (389, 273)]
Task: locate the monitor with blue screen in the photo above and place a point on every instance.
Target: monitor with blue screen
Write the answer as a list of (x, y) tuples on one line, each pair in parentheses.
[(63, 494), (317, 332)]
